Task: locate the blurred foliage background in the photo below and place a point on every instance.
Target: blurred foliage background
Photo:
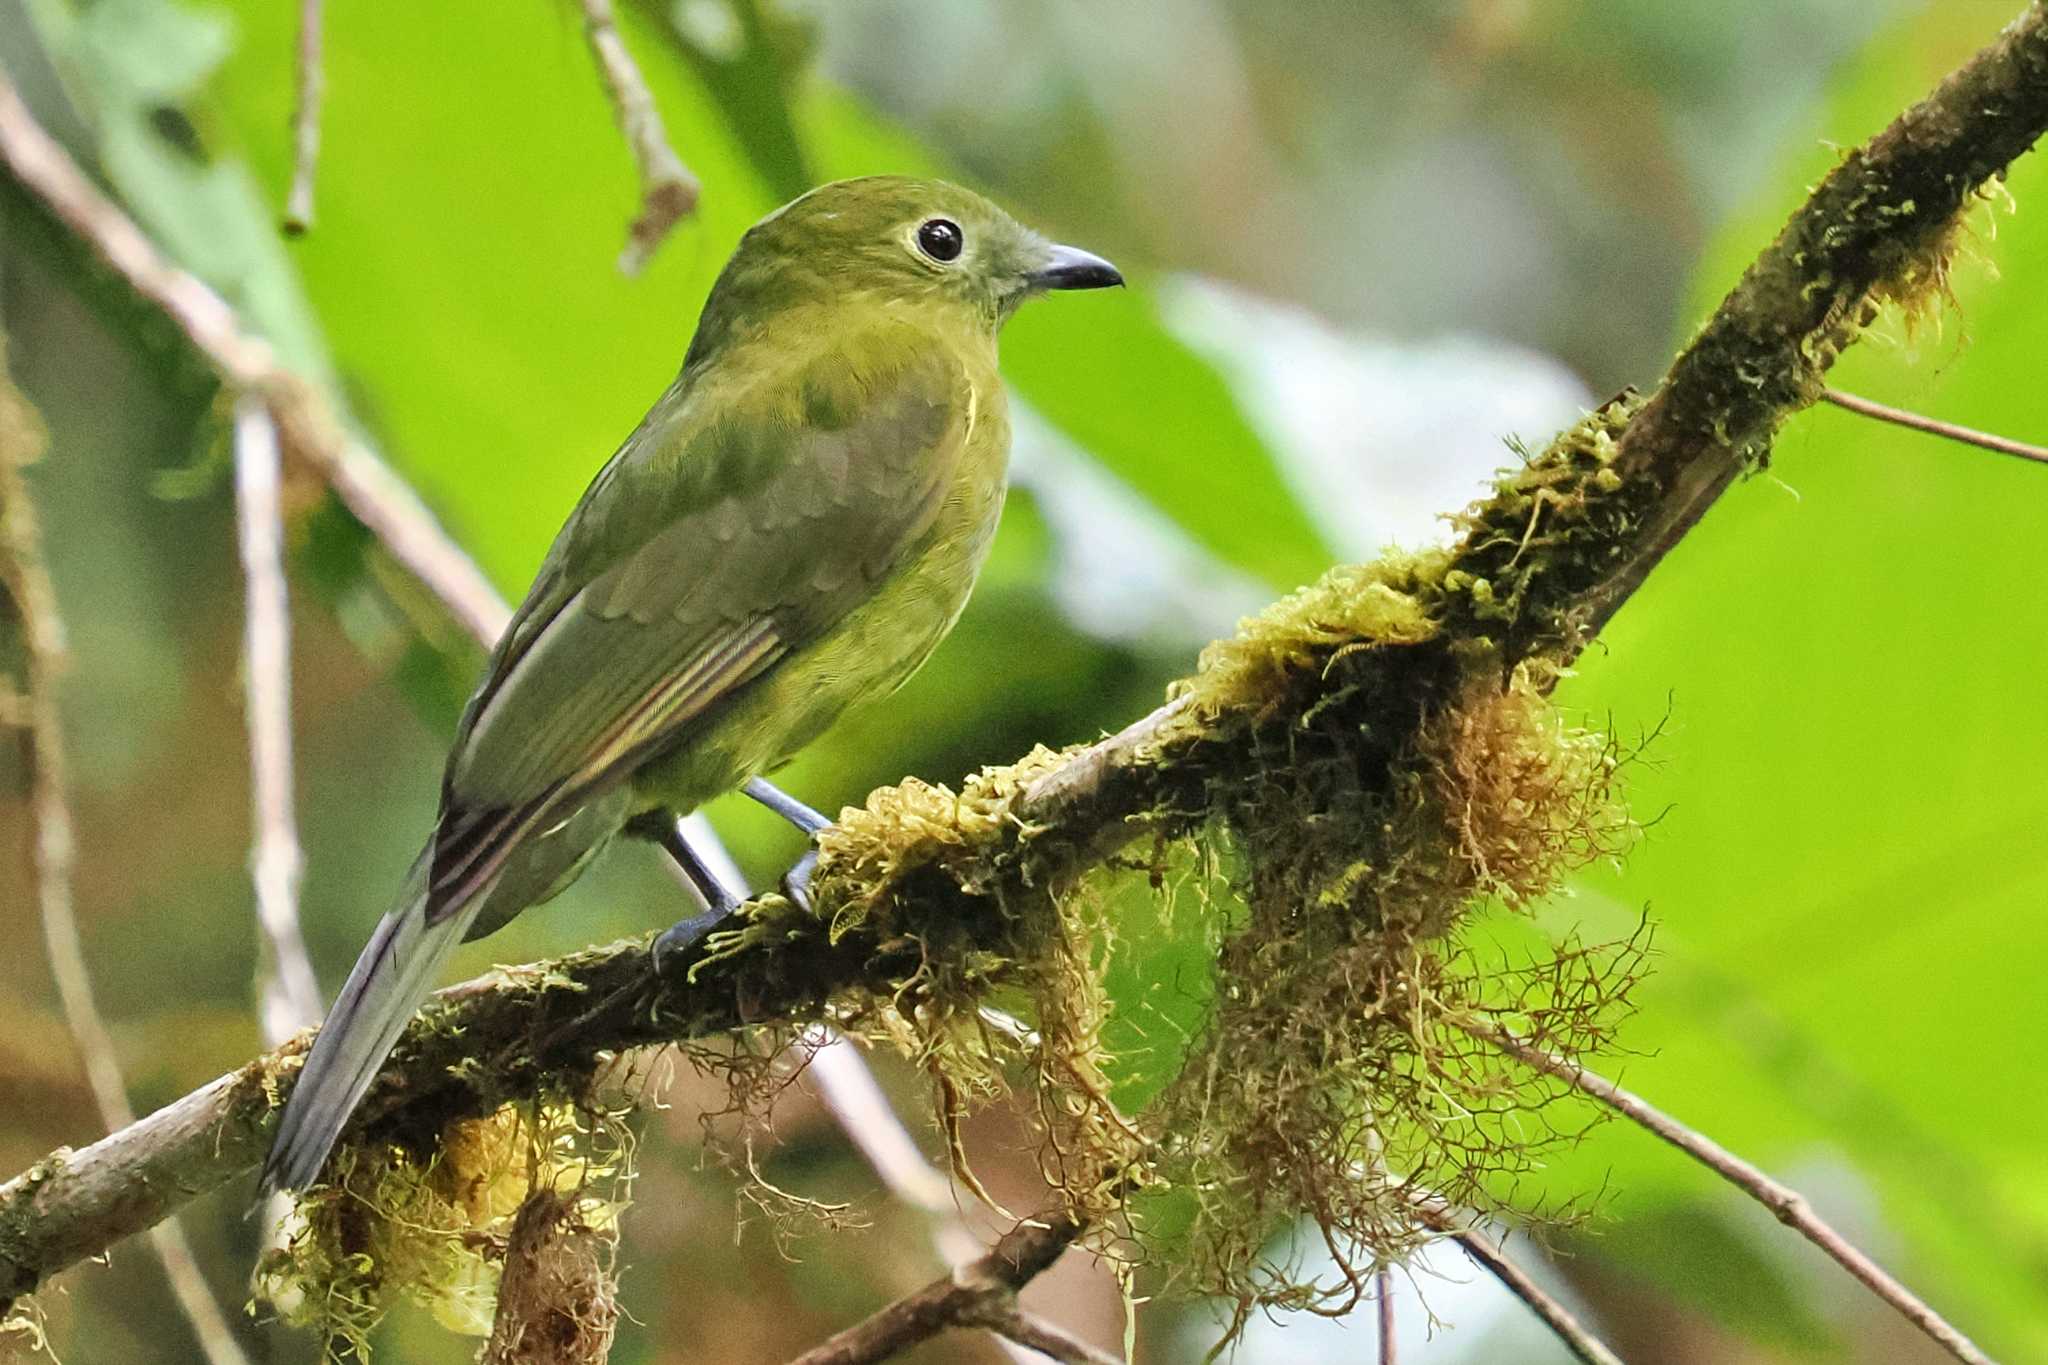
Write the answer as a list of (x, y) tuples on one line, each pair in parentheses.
[(1368, 241)]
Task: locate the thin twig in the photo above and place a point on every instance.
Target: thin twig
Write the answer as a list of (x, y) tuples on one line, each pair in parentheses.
[(965, 1298), (1489, 1255), (289, 994), (667, 189), (51, 841), (1385, 1312), (1014, 1326), (1786, 1204), (312, 88), (1934, 426)]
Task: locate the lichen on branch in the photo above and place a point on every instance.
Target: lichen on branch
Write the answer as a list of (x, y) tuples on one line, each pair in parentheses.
[(1368, 761)]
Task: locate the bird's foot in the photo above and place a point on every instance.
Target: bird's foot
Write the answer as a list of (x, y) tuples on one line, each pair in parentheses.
[(806, 818), (796, 883), (672, 949)]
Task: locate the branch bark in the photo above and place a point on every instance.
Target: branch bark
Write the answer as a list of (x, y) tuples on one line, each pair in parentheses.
[(1876, 229), (980, 1294)]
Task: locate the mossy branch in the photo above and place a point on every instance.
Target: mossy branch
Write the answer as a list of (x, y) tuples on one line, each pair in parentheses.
[(1370, 676)]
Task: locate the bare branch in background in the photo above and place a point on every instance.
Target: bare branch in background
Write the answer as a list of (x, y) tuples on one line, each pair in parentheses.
[(982, 1293), (1488, 1254), (307, 427), (312, 88), (1786, 1204), (52, 849), (287, 990), (1934, 426), (1037, 1337), (668, 192), (1384, 1312)]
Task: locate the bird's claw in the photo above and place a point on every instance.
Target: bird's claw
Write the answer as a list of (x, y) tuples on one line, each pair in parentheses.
[(673, 947), (796, 883)]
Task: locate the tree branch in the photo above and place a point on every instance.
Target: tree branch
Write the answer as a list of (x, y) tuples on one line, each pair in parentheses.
[(1785, 1203), (1877, 229), (980, 1294), (667, 189), (306, 425), (1542, 565), (1383, 1315), (1488, 1253), (1014, 1326)]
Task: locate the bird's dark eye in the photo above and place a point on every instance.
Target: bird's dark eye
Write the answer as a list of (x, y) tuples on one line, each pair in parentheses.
[(940, 239)]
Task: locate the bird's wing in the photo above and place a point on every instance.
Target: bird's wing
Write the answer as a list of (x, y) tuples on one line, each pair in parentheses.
[(709, 548)]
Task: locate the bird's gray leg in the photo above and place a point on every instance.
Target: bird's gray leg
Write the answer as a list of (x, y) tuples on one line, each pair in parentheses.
[(796, 883), (720, 901)]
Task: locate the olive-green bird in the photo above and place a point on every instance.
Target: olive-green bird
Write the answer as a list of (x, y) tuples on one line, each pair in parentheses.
[(793, 527)]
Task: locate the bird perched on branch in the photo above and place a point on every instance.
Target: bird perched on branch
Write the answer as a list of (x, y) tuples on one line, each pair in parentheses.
[(793, 527)]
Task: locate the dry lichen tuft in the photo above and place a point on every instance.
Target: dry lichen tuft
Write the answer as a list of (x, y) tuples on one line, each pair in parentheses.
[(915, 829), (1330, 1077), (1352, 607), (386, 1223), (1045, 952), (556, 1305)]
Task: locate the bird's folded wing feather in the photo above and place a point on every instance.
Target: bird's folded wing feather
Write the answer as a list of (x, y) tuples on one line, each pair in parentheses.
[(716, 542)]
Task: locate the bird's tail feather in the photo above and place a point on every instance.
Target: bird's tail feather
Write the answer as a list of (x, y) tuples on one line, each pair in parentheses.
[(394, 973)]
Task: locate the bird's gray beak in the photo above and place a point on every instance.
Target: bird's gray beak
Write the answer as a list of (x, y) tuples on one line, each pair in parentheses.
[(1069, 267)]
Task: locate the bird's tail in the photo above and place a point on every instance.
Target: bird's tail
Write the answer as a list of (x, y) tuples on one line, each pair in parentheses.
[(392, 976)]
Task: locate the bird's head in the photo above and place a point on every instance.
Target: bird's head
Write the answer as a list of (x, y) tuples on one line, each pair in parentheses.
[(898, 241)]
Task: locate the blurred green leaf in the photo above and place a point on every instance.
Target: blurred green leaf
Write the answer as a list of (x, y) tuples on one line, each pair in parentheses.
[(1846, 887)]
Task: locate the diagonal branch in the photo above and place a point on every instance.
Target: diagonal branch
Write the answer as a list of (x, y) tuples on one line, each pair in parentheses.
[(1934, 426), (1785, 1203), (1543, 564), (1489, 1255), (1016, 1328), (982, 1293)]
